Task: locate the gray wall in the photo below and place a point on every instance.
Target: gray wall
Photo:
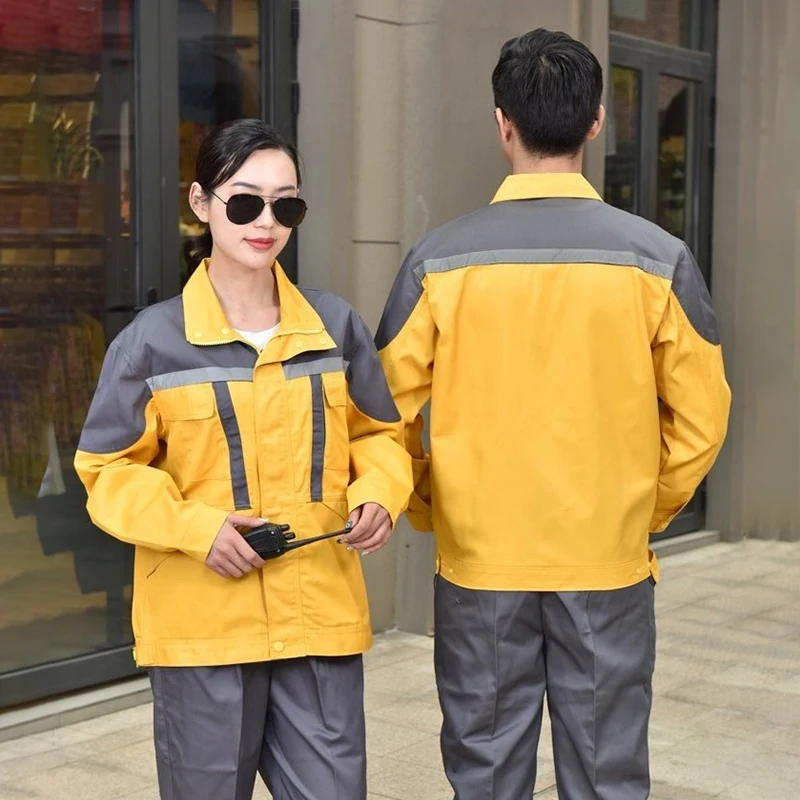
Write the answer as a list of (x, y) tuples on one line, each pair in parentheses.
[(397, 133), (755, 488)]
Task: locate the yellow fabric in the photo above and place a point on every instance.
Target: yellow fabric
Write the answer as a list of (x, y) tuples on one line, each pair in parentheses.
[(170, 491), (532, 483)]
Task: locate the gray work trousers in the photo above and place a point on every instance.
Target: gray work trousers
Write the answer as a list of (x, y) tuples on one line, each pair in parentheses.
[(497, 655), (299, 723)]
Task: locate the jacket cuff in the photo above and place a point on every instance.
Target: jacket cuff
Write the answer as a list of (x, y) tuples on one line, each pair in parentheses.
[(362, 491), (202, 531)]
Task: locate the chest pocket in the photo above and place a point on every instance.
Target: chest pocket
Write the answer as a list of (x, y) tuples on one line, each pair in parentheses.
[(330, 441), (193, 433)]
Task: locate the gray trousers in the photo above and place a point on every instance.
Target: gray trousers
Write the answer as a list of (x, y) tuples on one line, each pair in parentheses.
[(497, 655), (299, 723)]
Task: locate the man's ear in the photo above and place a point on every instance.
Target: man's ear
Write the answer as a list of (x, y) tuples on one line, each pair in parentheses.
[(504, 126), (598, 123)]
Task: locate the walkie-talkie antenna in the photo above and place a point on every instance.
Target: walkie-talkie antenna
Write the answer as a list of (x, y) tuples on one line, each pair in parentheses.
[(303, 542)]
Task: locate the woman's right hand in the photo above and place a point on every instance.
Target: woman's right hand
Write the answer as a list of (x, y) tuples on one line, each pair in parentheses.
[(230, 555)]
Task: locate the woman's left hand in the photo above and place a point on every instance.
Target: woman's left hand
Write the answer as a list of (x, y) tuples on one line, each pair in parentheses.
[(372, 527)]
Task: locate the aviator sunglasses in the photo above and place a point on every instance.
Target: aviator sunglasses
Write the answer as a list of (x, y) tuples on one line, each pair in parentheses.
[(245, 208)]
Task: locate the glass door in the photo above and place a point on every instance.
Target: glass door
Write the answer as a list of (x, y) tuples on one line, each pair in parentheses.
[(68, 229), (102, 103), (659, 156)]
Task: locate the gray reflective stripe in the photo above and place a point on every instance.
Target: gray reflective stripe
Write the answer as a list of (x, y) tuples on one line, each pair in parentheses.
[(241, 495), (190, 377), (545, 256), (317, 437), (316, 367)]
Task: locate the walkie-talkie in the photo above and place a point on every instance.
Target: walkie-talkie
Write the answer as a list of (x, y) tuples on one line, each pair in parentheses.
[(272, 540)]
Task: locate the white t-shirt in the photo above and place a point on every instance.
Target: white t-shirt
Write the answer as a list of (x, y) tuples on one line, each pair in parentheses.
[(259, 339)]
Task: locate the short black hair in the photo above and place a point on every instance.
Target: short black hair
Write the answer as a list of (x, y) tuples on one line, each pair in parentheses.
[(550, 86)]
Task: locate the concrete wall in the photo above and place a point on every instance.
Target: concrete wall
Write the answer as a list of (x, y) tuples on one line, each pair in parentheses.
[(396, 128), (755, 488)]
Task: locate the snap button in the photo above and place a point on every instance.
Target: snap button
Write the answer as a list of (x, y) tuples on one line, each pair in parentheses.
[(225, 331), (278, 647), (298, 343), (198, 334)]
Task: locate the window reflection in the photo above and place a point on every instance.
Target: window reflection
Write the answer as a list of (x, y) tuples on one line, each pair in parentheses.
[(219, 79), (66, 88), (622, 161)]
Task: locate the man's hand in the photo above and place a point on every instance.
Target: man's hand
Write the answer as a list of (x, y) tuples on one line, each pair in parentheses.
[(372, 527), (230, 555)]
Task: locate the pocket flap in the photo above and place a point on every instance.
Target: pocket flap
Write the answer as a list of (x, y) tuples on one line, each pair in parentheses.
[(335, 386), (186, 402)]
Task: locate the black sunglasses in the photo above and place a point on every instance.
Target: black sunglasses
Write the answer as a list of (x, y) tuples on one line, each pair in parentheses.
[(245, 208)]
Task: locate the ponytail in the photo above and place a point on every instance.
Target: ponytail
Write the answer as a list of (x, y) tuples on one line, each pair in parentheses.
[(196, 249)]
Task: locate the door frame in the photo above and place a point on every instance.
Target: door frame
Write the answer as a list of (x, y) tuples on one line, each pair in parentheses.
[(652, 59)]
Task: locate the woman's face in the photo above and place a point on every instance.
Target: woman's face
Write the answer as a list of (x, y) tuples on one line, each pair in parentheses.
[(267, 173)]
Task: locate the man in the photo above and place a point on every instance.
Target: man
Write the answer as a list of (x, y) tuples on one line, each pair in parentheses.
[(578, 399)]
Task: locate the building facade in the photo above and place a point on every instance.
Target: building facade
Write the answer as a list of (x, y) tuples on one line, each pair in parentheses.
[(103, 104)]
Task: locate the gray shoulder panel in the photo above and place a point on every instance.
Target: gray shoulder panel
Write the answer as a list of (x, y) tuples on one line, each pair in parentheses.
[(689, 287), (365, 377), (402, 301), (116, 418)]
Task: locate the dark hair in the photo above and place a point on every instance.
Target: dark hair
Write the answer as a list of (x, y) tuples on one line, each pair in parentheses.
[(221, 155), (550, 86)]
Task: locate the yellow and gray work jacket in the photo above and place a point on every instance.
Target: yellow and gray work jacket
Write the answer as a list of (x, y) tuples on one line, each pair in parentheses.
[(578, 395), (189, 423)]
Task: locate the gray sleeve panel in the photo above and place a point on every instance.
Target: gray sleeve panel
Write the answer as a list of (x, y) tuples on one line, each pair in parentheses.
[(116, 419), (367, 381), (689, 287), (402, 301)]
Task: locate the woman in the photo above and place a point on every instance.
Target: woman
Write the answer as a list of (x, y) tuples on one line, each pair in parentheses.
[(242, 400)]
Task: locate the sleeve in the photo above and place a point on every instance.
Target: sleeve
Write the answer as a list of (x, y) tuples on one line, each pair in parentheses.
[(127, 497), (379, 465), (693, 393), (406, 341)]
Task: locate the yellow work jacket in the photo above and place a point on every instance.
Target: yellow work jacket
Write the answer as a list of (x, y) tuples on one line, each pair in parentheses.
[(578, 397), (190, 423)]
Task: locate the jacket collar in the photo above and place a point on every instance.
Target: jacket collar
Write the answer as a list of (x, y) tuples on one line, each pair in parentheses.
[(537, 186), (300, 329)]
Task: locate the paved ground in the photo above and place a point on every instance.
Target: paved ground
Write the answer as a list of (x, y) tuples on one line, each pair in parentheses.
[(726, 721)]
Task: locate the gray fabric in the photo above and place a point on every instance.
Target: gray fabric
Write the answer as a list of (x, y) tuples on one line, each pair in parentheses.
[(552, 225), (368, 388), (541, 256), (690, 289), (315, 741), (317, 366), (233, 436), (592, 653), (116, 418), (403, 298), (317, 438), (157, 339), (299, 722), (209, 730), (192, 377)]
